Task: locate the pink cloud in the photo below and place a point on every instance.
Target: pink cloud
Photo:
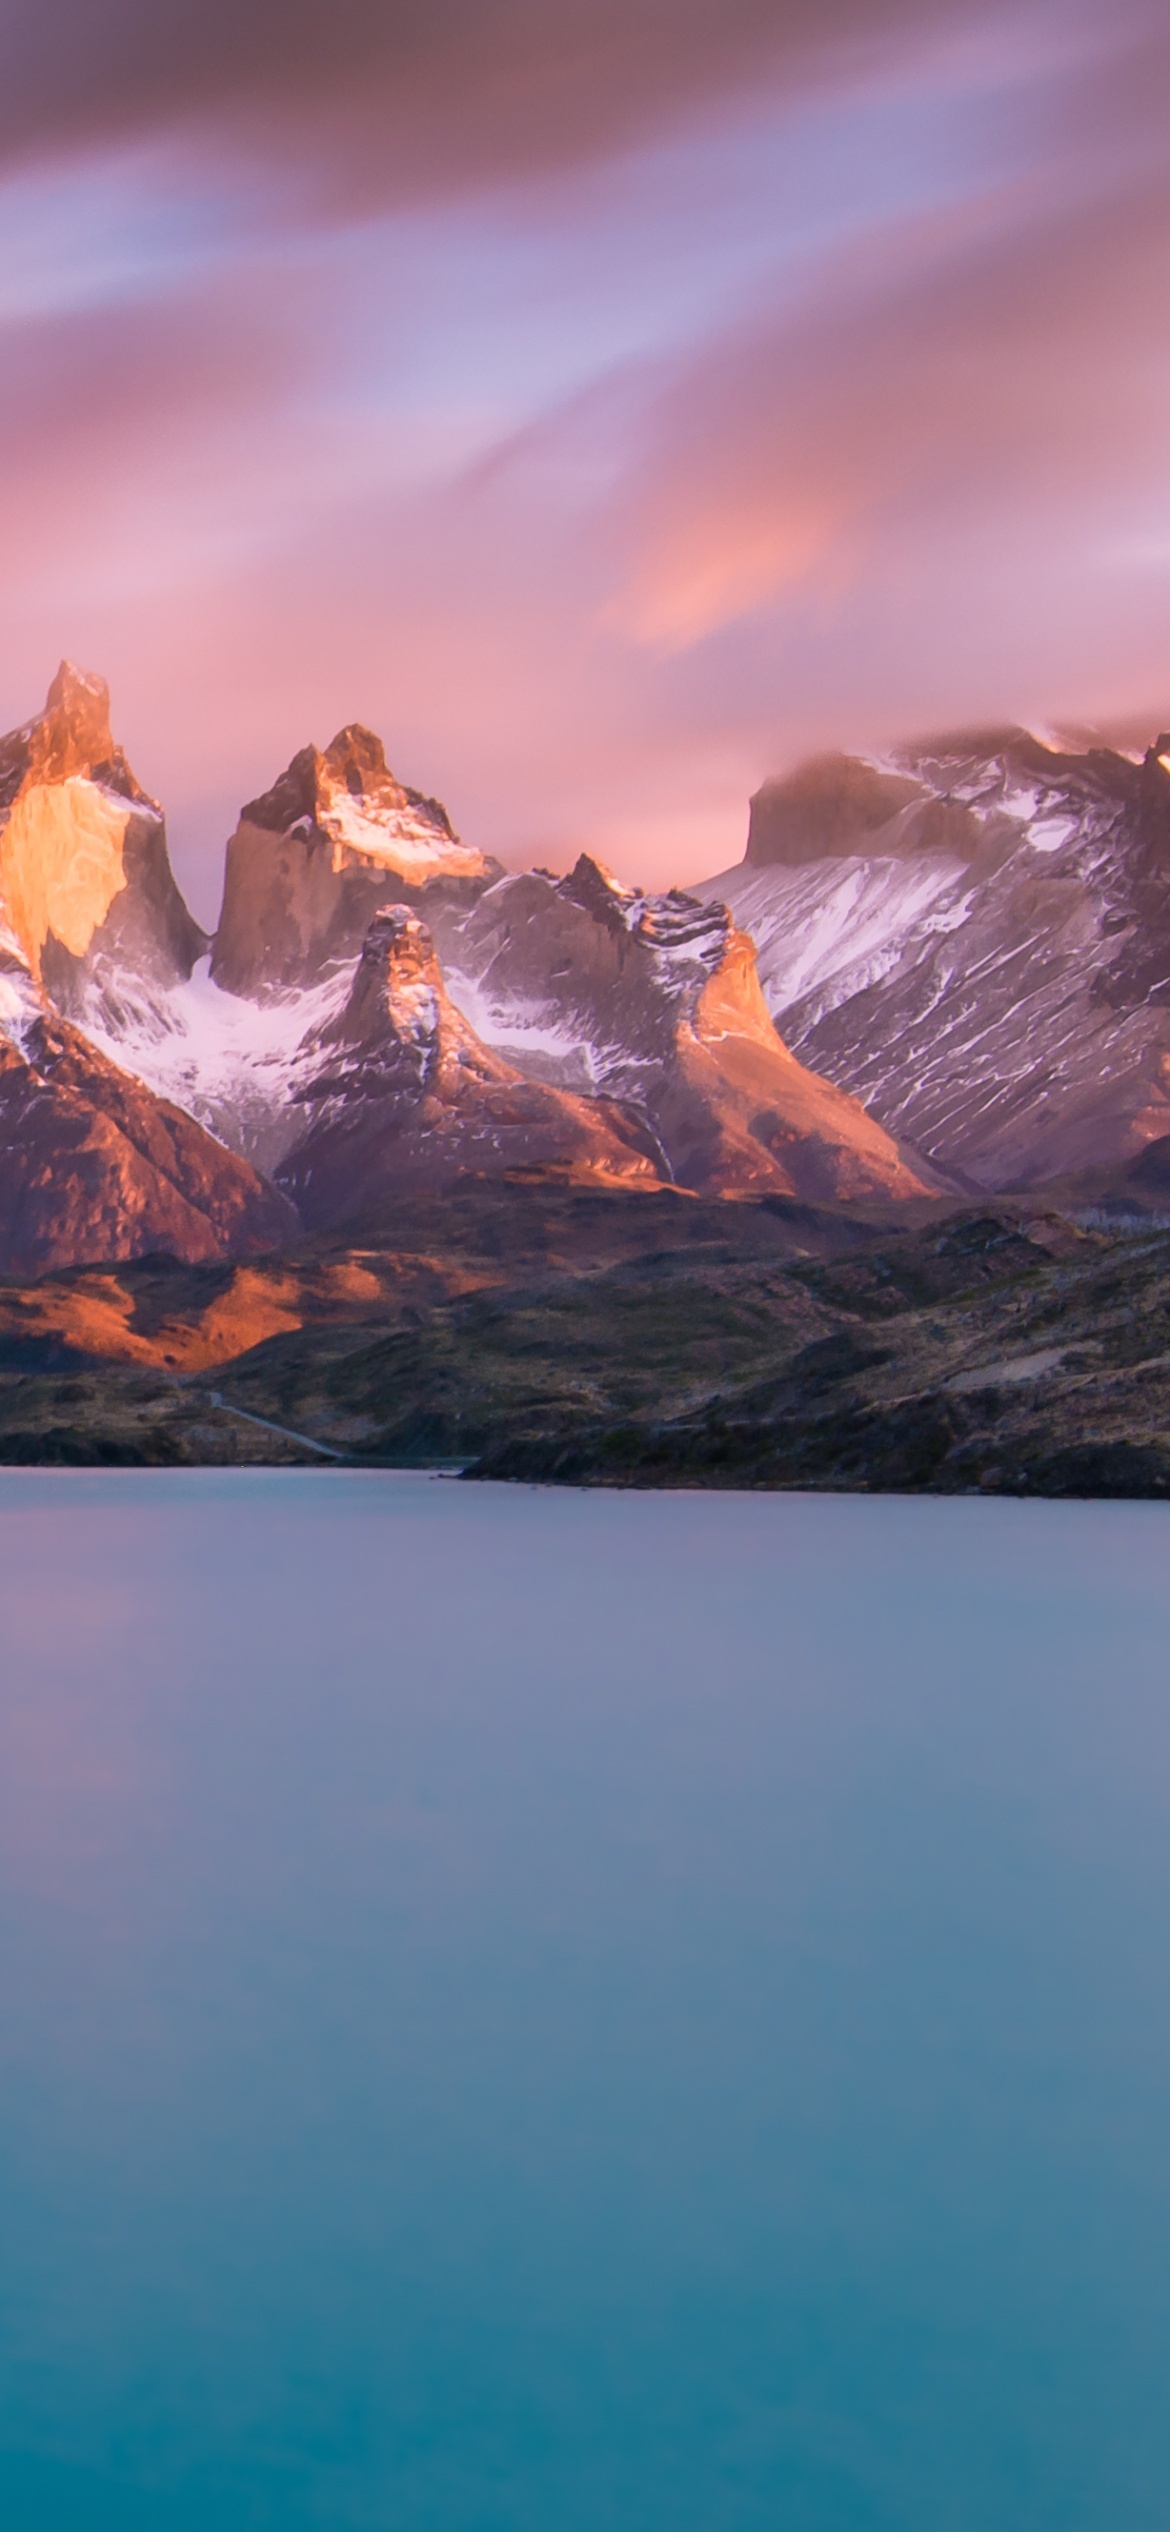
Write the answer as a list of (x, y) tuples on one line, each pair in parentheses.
[(896, 460)]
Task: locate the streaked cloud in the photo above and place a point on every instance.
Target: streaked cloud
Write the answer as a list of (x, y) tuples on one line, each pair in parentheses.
[(409, 97), (608, 402)]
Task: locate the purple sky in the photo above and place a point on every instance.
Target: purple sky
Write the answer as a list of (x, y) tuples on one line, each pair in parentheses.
[(609, 401)]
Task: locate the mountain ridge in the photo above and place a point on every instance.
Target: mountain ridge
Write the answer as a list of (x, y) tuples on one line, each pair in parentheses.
[(540, 1185), (988, 968), (406, 1095), (946, 969), (694, 1086)]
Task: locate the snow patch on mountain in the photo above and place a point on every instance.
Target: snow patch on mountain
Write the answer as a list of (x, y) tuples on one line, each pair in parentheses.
[(21, 1003), (535, 1036), (234, 1065), (827, 930), (404, 841), (1004, 1006)]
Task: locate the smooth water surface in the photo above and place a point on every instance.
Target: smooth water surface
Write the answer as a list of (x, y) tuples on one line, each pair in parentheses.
[(542, 2012)]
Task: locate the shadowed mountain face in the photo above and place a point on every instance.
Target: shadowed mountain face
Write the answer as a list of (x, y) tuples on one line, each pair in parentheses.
[(402, 1094), (94, 1168), (655, 1001), (975, 942), (314, 858)]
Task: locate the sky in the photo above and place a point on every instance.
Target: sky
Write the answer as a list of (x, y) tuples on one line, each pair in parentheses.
[(609, 401)]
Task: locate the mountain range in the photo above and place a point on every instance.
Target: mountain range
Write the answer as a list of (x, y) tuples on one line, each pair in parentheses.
[(920, 1034), (380, 1007)]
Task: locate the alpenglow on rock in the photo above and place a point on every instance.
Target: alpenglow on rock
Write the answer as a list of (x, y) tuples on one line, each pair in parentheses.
[(312, 859), (93, 1167), (974, 938), (645, 1010), (87, 894), (310, 863), (585, 1032)]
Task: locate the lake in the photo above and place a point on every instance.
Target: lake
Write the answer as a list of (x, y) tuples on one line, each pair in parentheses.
[(550, 2012)]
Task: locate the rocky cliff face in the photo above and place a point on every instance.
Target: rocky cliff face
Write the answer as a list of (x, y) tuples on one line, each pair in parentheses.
[(966, 950), (309, 866), (86, 888), (655, 1001), (975, 940), (312, 860), (93, 1167), (400, 1093)]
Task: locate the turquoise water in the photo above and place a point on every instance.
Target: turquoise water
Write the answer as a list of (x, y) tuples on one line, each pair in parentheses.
[(538, 2012)]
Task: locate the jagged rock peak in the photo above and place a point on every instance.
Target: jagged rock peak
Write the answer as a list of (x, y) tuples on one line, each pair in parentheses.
[(687, 931), (353, 767), (87, 892), (592, 885), (404, 1093), (312, 859), (655, 1001), (399, 1019), (398, 962), (397, 993), (71, 737)]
